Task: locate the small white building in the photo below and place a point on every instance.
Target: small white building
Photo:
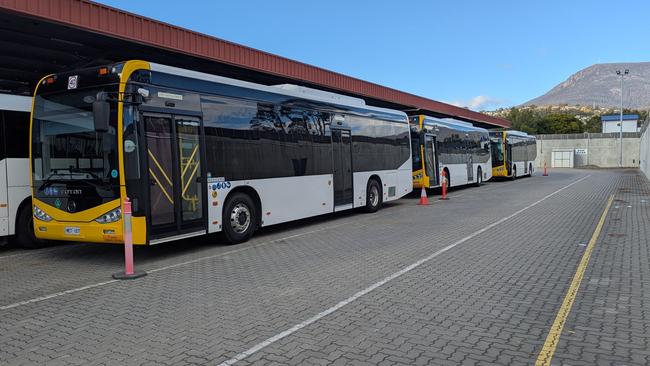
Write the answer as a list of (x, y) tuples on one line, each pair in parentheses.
[(611, 122)]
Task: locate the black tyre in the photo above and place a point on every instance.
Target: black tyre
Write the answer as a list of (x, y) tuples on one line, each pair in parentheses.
[(530, 170), (479, 177), (374, 196), (514, 173), (240, 218), (25, 237)]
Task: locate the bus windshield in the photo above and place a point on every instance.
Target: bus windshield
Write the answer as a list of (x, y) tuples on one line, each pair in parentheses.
[(497, 152), (65, 143)]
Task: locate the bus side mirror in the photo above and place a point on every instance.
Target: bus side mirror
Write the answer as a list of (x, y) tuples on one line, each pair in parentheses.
[(101, 115)]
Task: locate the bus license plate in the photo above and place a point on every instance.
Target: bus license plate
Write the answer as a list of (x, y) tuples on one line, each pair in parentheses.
[(72, 230)]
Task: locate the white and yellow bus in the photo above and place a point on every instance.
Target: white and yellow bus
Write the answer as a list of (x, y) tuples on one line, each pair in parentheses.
[(454, 147), (198, 153), (513, 153)]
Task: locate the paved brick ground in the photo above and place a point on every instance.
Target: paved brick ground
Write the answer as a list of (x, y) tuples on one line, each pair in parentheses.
[(488, 300), (610, 321)]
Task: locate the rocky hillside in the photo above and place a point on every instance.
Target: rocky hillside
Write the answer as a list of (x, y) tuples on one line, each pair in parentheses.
[(600, 86)]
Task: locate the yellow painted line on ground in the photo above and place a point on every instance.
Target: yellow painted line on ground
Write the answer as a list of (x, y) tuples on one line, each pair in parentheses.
[(553, 338)]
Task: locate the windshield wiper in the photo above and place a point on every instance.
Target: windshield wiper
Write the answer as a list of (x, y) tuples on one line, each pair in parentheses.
[(50, 179), (85, 171)]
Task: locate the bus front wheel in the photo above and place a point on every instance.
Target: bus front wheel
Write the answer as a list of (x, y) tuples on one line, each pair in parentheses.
[(239, 218), (25, 237), (374, 196)]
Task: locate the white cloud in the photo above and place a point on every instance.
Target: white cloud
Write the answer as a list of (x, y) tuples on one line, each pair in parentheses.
[(480, 102)]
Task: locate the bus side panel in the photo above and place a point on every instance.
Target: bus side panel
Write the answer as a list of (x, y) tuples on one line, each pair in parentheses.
[(486, 169), (458, 173), (4, 212), (521, 165), (18, 190), (404, 179), (283, 199), (388, 182)]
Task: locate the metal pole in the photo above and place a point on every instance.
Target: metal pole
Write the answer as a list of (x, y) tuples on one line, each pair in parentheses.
[(620, 134)]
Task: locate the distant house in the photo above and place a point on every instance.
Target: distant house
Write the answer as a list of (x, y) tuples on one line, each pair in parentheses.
[(611, 122)]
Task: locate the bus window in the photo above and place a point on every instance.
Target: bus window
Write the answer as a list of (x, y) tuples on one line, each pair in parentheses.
[(415, 150)]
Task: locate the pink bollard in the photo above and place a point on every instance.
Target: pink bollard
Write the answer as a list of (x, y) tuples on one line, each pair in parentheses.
[(129, 271)]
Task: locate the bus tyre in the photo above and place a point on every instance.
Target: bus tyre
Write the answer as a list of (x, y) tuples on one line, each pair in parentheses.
[(239, 218), (479, 177), (374, 196), (514, 173), (530, 169), (25, 237)]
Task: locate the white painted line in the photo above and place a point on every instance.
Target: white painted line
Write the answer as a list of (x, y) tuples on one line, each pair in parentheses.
[(41, 298), (78, 289), (374, 286)]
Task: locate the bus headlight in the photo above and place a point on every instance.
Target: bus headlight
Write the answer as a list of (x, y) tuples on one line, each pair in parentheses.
[(41, 215), (110, 216)]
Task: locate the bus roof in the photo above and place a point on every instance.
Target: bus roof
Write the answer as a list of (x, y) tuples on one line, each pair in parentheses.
[(17, 103), (519, 134), (453, 123), (283, 89)]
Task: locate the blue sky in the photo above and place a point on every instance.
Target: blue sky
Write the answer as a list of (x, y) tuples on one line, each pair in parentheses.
[(481, 54)]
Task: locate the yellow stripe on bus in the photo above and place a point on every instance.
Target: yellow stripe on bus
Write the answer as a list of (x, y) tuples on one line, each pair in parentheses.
[(164, 191), (159, 167)]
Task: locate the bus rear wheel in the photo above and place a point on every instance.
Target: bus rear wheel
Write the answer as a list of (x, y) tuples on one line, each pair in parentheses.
[(514, 173), (25, 237), (479, 177), (374, 197), (239, 218)]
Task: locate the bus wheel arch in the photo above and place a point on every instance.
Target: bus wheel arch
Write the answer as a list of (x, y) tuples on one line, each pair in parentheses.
[(246, 200), (24, 227), (374, 194)]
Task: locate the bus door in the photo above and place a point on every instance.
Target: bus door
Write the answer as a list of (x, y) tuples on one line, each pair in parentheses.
[(508, 157), (431, 159), (470, 168), (342, 165), (174, 151)]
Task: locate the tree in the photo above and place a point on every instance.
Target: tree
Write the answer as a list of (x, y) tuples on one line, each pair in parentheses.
[(593, 125), (526, 120), (561, 123)]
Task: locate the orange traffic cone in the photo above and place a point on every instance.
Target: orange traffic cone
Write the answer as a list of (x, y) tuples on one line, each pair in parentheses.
[(444, 186), (424, 200)]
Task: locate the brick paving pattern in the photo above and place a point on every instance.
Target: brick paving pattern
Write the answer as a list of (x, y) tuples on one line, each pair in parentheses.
[(489, 300)]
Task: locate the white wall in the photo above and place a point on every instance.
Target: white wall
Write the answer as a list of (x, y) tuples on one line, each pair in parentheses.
[(612, 126), (601, 152), (645, 152)]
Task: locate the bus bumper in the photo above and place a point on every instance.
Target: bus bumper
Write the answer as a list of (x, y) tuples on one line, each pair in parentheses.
[(79, 231)]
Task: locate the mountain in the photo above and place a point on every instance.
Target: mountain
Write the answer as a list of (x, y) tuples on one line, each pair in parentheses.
[(600, 86)]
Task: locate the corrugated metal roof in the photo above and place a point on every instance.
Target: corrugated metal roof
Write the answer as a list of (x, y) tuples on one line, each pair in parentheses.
[(98, 18)]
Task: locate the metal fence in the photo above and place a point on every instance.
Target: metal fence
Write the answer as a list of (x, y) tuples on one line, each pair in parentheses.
[(575, 136)]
